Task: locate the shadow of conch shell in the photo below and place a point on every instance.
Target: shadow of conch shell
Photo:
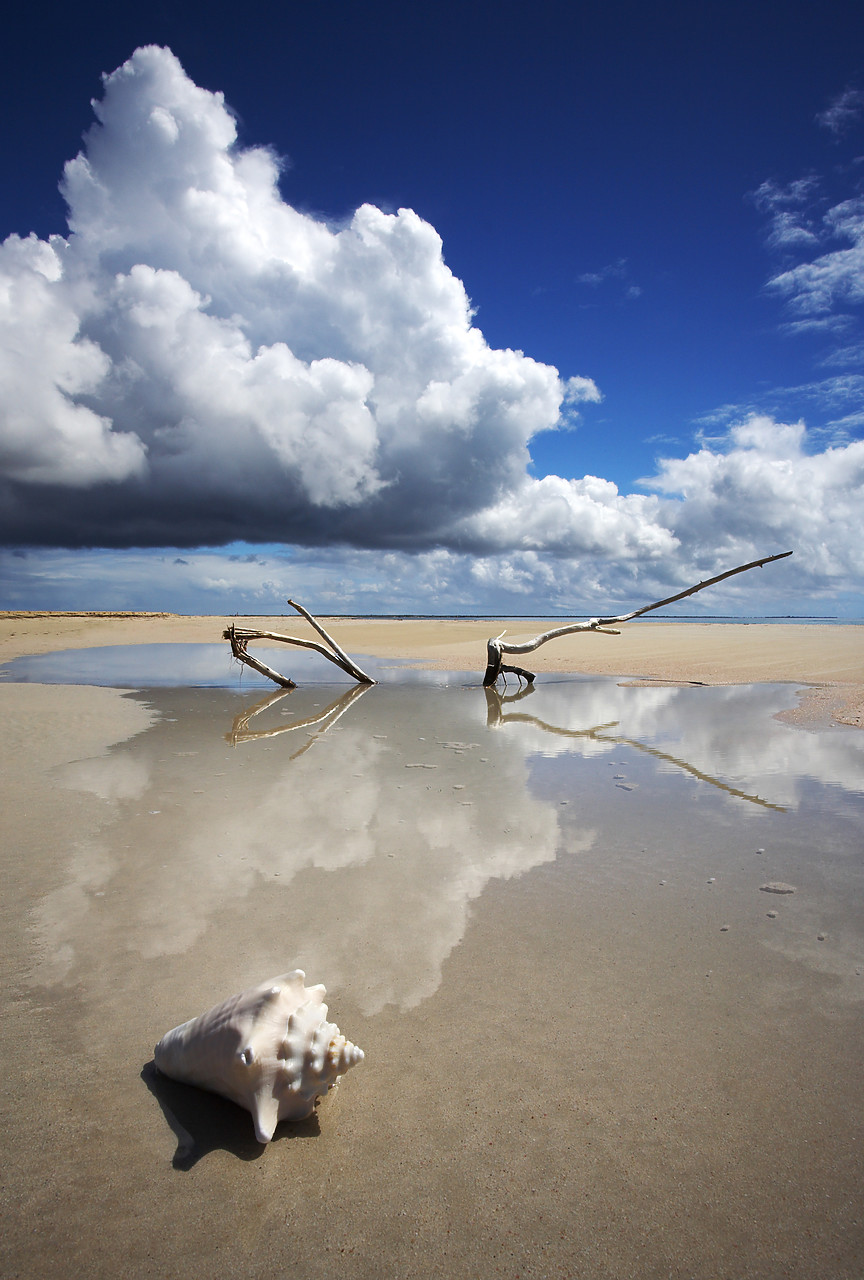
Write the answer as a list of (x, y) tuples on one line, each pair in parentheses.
[(203, 1122)]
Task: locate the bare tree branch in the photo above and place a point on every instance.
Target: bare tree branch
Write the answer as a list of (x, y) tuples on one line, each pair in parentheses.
[(345, 662), (239, 637), (496, 648)]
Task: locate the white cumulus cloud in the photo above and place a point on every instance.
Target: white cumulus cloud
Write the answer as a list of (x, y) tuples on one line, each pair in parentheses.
[(208, 362), (765, 486), (49, 434), (573, 517)]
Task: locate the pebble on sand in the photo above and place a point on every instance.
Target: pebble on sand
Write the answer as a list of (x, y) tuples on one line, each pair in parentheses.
[(772, 915), (776, 886)]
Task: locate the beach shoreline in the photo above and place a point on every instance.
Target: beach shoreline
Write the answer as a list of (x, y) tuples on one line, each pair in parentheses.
[(826, 660)]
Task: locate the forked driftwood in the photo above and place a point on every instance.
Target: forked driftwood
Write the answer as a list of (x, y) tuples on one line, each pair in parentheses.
[(496, 648), (239, 638)]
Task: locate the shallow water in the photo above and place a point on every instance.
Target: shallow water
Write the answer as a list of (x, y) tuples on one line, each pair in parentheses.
[(590, 1049), (369, 796), (155, 666)]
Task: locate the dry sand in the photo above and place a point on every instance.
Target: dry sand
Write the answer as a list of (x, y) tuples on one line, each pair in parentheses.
[(590, 1051)]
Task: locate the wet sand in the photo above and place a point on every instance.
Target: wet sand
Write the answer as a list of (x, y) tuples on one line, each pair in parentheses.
[(590, 1050)]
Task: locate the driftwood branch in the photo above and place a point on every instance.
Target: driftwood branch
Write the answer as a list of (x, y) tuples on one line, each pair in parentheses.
[(239, 638), (496, 648)]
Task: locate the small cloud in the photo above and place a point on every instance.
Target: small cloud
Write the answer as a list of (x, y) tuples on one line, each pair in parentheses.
[(579, 390), (847, 427), (723, 415), (771, 195), (842, 112), (179, 560), (662, 438), (792, 225), (789, 231), (817, 324), (834, 402), (613, 272), (852, 355)]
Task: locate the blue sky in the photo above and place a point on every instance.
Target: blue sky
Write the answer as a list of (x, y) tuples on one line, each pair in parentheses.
[(633, 254)]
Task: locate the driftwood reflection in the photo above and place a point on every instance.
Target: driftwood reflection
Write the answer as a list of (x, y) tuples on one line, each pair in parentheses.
[(496, 700), (240, 731), (496, 716)]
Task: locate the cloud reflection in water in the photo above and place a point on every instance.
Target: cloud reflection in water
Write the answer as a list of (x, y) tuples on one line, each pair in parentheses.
[(349, 833)]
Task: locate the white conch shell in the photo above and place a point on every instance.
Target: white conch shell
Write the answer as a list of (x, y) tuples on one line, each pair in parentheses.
[(270, 1049)]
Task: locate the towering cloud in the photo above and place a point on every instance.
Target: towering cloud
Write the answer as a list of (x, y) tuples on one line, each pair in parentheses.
[(199, 361)]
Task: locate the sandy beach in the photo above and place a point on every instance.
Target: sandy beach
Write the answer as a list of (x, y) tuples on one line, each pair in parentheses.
[(595, 1045), (828, 658)]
